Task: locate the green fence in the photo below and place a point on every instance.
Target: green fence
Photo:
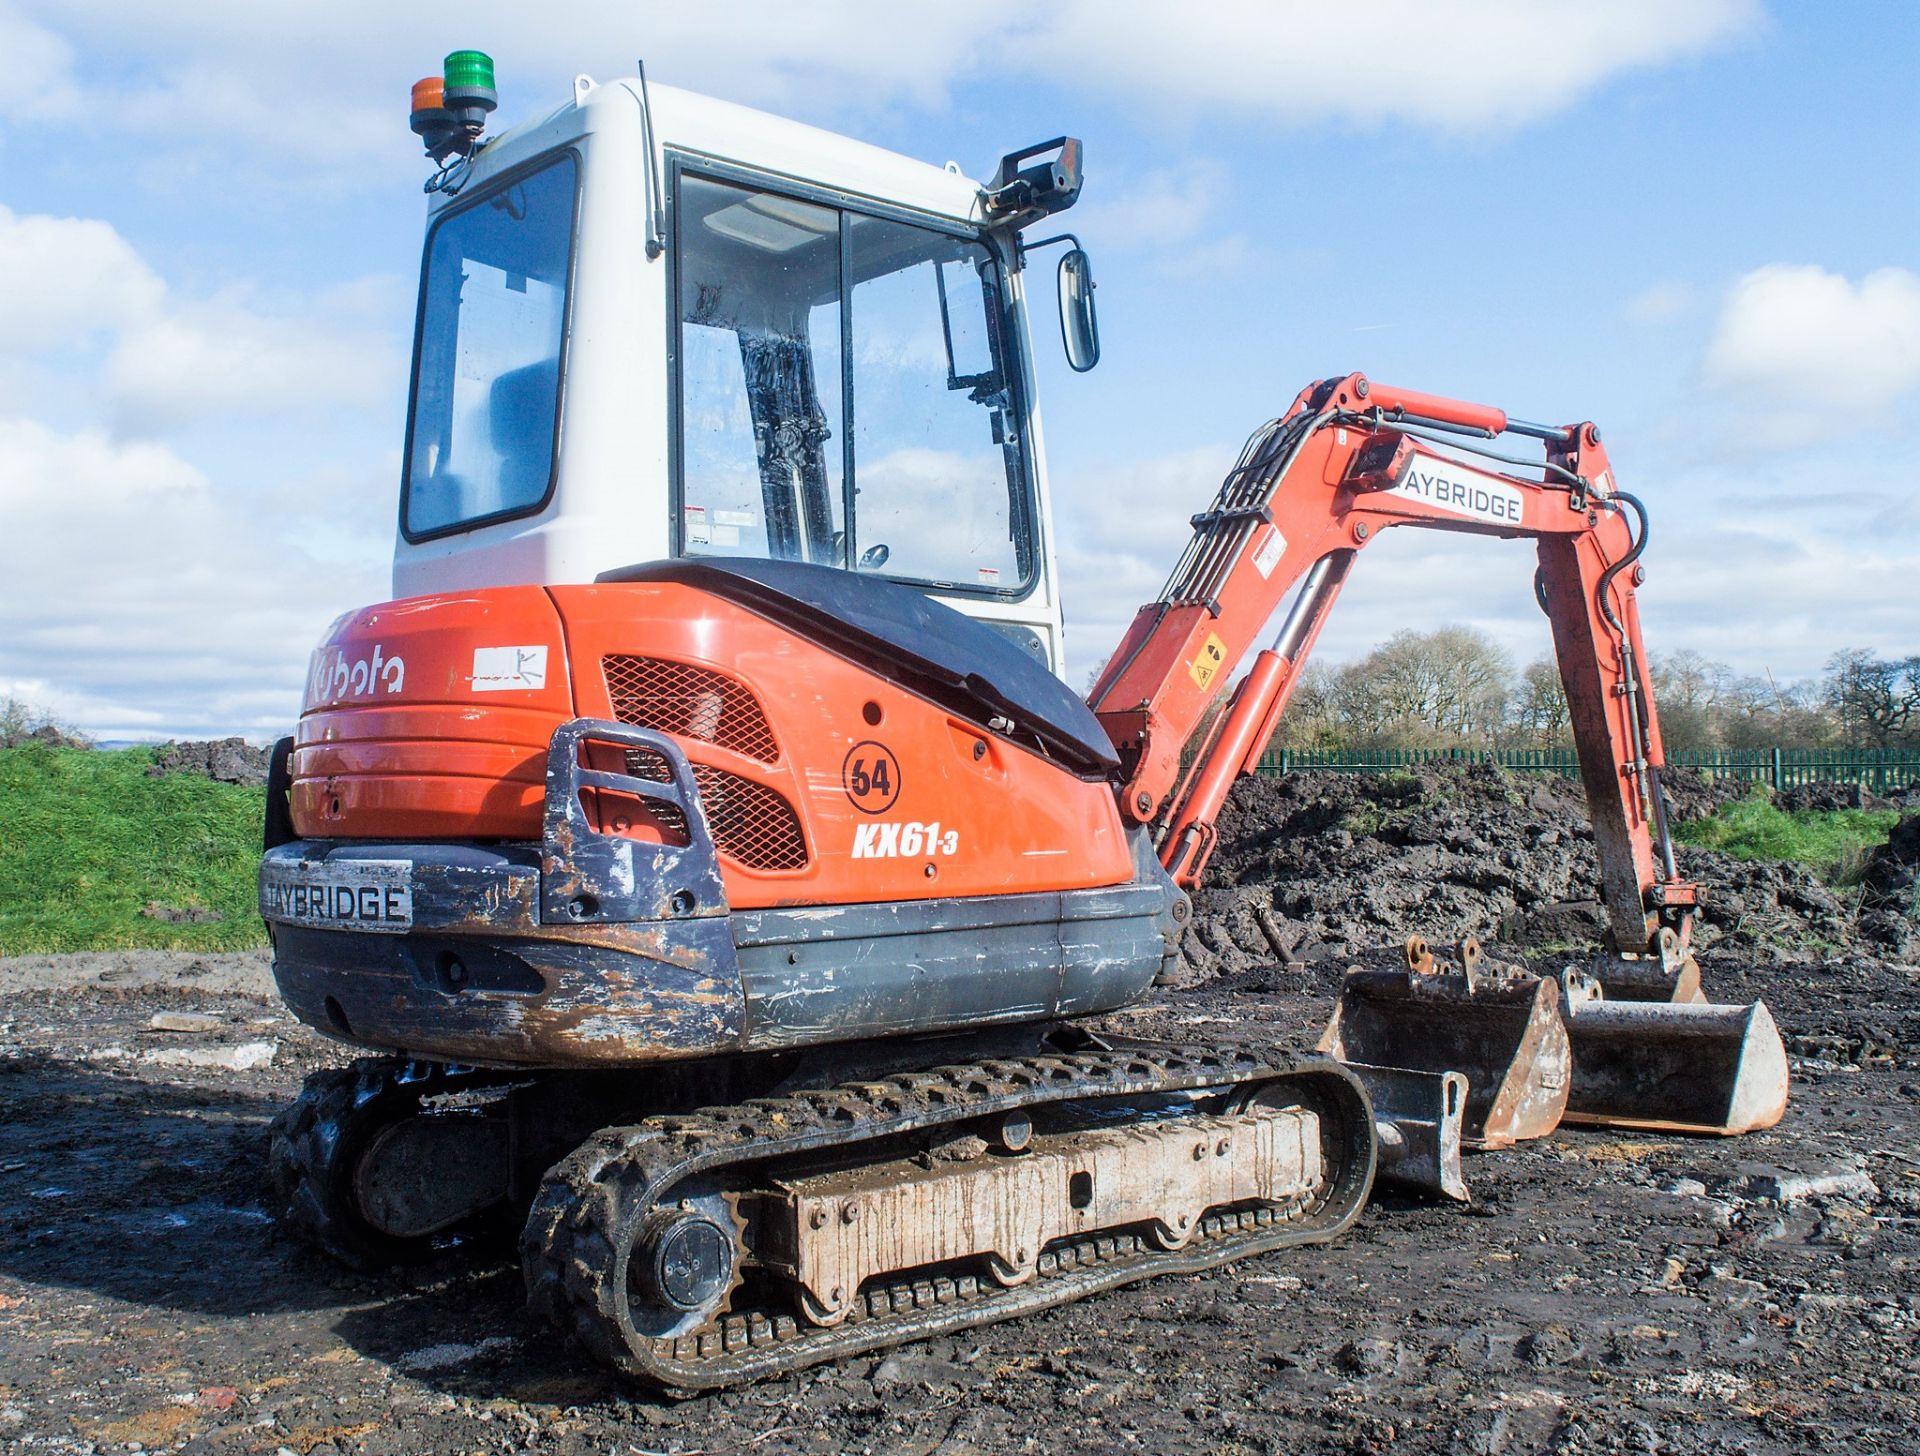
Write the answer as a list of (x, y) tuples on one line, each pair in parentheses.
[(1876, 769)]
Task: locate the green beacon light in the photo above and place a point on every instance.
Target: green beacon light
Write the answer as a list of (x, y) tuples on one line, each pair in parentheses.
[(469, 93)]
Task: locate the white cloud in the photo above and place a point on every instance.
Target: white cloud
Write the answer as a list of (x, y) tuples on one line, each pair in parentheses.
[(1157, 209), (327, 84), (145, 593), (1462, 65), (1781, 596), (36, 71), (142, 600), (1118, 529), (65, 280), (67, 283), (227, 357), (1799, 336), (1659, 303), (324, 83)]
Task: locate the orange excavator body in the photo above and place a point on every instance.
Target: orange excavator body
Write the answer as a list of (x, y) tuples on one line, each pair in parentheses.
[(823, 782)]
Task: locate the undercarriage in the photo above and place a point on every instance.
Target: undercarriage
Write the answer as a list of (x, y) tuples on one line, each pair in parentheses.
[(815, 1218)]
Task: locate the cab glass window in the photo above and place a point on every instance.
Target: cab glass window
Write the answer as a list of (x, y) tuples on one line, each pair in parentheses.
[(487, 375), (844, 394)]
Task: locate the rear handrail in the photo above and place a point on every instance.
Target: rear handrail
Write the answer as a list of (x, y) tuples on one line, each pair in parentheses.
[(589, 877)]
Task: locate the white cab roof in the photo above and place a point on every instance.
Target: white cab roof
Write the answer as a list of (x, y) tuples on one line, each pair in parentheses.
[(687, 122)]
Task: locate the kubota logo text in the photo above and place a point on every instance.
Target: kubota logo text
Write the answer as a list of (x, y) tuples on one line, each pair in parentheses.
[(334, 675)]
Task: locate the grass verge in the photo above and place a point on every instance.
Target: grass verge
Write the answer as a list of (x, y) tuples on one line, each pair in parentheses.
[(87, 839), (1832, 841)]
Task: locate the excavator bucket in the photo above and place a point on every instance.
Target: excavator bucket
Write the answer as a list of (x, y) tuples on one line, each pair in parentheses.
[(1672, 1067), (1501, 1032), (1665, 971)]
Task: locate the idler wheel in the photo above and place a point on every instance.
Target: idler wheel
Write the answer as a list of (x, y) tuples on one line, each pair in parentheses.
[(684, 1261)]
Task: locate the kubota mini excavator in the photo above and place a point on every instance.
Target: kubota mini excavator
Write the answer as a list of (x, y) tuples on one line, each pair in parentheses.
[(704, 839)]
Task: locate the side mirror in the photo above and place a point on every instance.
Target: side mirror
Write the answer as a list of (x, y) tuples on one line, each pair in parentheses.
[(1079, 326)]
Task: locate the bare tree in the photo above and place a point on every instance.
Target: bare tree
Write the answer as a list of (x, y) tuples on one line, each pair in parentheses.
[(1455, 688), (1313, 718), (1540, 717), (1876, 701), (1690, 692), (1427, 689)]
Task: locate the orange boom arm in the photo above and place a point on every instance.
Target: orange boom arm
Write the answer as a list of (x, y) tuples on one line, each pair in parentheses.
[(1311, 490)]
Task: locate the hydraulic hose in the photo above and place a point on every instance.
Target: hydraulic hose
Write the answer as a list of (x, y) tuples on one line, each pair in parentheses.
[(1642, 726)]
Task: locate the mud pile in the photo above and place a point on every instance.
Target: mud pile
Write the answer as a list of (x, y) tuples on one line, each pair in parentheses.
[(224, 760), (1826, 798), (1890, 892), (1320, 866), (45, 736)]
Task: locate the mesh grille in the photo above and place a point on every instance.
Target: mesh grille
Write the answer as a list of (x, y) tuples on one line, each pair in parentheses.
[(752, 824), (688, 702), (644, 763)]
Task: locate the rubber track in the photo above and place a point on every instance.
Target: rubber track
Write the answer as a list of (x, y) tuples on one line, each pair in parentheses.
[(312, 1138), (594, 1199)]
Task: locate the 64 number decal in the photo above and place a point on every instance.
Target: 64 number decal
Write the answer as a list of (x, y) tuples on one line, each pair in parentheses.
[(871, 776)]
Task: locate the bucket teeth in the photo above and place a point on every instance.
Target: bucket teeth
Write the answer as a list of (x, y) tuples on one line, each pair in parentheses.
[(1672, 1067)]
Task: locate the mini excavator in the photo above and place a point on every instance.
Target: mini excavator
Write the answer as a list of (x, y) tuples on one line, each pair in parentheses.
[(706, 848)]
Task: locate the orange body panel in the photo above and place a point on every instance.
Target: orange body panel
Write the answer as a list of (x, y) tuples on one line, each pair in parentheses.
[(394, 741), (822, 782)]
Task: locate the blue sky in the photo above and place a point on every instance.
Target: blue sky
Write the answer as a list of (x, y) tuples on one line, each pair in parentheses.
[(1695, 223)]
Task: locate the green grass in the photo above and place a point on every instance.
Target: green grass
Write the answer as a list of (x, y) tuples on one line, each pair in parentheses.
[(1754, 828), (87, 838)]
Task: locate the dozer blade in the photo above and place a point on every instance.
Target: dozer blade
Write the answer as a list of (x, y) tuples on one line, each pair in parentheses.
[(1503, 1033), (1700, 1068), (1416, 1122)]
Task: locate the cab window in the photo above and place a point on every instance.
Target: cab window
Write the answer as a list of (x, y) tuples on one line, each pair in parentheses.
[(486, 394), (844, 392)]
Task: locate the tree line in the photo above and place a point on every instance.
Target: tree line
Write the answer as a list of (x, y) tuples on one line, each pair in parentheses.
[(1457, 688)]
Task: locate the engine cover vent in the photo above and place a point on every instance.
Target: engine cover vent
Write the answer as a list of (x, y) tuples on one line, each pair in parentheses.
[(751, 824), (688, 702)]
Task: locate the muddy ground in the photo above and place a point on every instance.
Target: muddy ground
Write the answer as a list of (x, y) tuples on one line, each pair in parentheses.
[(1605, 1292)]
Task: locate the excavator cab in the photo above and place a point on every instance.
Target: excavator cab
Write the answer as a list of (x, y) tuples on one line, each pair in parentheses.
[(818, 355)]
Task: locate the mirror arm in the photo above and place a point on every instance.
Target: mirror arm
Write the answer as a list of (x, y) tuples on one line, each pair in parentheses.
[(1026, 247)]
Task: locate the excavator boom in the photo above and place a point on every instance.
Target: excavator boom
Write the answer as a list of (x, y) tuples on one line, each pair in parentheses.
[(1311, 490), (1348, 460)]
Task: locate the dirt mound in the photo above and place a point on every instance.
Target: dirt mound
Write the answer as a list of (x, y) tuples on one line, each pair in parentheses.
[(1319, 865), (1890, 892), (1315, 865), (225, 760), (1828, 798), (46, 736), (1779, 904), (1692, 794)]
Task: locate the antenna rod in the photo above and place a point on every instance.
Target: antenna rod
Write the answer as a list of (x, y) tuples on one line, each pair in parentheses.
[(657, 214)]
